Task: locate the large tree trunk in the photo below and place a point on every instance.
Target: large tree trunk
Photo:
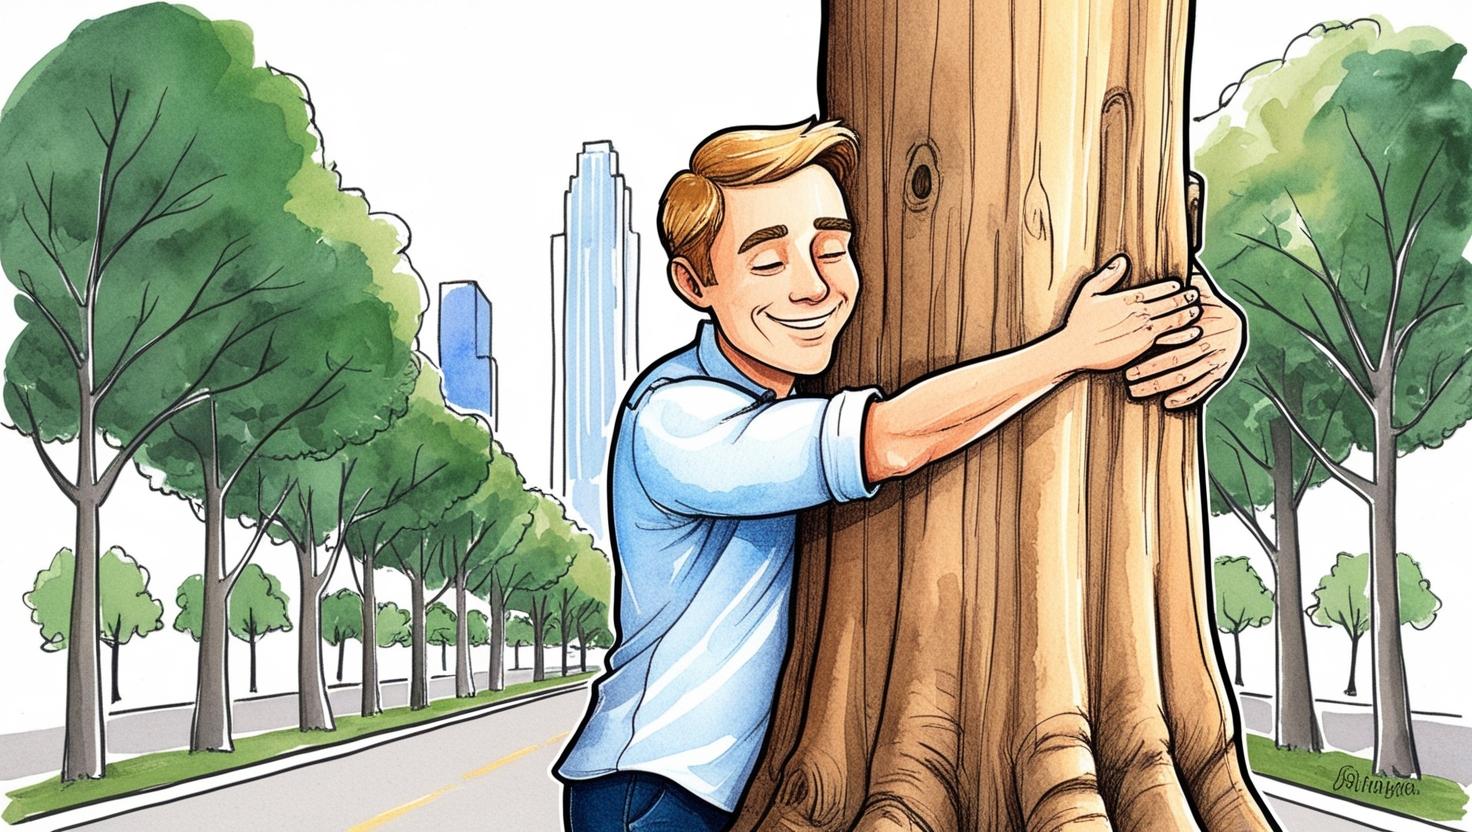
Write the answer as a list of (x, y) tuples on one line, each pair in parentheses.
[(1395, 745), (464, 681), (84, 749), (371, 700), (418, 647), (1015, 637), (1296, 725), (539, 639), (314, 712), (210, 730), (496, 672)]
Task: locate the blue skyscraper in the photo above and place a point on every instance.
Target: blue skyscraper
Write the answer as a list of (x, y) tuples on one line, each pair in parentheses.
[(595, 304), (465, 350)]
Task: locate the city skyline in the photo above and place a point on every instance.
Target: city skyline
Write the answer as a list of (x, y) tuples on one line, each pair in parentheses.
[(595, 299)]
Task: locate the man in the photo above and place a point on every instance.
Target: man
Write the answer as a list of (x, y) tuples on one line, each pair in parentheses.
[(713, 454)]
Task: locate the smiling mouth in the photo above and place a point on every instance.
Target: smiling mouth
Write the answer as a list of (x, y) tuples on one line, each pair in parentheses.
[(811, 322)]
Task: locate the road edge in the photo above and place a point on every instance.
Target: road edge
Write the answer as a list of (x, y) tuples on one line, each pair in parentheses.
[(57, 820)]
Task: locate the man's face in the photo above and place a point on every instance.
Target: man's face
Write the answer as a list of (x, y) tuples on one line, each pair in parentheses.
[(785, 281)]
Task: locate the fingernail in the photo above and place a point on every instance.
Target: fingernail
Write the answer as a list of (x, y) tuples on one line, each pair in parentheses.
[(1195, 311), (1191, 294)]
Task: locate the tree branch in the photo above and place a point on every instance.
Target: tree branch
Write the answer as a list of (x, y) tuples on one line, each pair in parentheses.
[(1346, 315), (1436, 394), (260, 534), (1323, 347), (67, 487), (1360, 485), (28, 288)]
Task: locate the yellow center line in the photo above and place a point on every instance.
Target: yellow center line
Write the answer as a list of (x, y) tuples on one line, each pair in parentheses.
[(399, 811)]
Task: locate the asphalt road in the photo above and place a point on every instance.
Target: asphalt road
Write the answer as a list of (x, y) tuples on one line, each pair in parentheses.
[(485, 773)]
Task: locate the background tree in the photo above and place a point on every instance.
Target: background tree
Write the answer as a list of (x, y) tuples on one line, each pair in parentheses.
[(342, 620), (544, 556), (427, 444), (125, 185), (439, 629), (392, 625), (470, 537), (258, 607), (128, 609), (1342, 600), (477, 633), (1348, 209), (580, 597), (984, 199), (1241, 602), (518, 635)]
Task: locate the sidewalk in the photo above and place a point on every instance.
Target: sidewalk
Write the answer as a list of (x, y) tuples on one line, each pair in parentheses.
[(166, 727)]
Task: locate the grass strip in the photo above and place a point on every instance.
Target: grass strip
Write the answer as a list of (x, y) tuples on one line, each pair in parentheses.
[(165, 768), (1353, 778)]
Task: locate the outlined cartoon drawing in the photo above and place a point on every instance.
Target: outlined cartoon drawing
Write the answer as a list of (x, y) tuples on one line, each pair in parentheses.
[(1033, 415)]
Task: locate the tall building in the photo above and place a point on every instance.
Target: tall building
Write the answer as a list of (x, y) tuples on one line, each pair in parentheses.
[(465, 350), (595, 305)]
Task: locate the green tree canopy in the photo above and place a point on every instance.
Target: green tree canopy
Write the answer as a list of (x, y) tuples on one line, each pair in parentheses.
[(258, 605), (439, 624), (1242, 600), (1342, 598), (518, 630), (128, 609), (342, 617), (393, 625), (479, 626)]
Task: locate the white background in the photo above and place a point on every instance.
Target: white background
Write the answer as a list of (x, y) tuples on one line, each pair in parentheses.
[(465, 119)]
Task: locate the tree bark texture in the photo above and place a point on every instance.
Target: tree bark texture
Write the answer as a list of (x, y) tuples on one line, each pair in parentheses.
[(496, 671), (211, 728), (1017, 636), (418, 646), (371, 701), (1296, 726), (314, 711)]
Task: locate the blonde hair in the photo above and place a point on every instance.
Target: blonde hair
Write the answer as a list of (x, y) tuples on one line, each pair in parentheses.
[(691, 208)]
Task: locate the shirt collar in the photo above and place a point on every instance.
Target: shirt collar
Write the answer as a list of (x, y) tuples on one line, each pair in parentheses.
[(716, 365)]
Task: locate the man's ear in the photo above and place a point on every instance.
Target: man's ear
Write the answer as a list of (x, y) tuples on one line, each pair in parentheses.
[(687, 284)]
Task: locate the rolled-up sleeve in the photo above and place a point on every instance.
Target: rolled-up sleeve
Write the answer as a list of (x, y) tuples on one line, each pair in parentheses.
[(705, 447)]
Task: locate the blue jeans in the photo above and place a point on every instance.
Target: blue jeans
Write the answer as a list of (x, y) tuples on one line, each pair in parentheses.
[(636, 801)]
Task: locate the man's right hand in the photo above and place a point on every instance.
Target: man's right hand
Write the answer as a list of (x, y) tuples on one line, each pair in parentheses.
[(1108, 329)]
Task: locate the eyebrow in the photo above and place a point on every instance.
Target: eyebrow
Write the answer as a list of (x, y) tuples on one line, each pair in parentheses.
[(761, 235), (833, 224)]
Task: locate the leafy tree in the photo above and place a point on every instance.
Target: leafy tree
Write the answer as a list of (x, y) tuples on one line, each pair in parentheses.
[(1343, 600), (393, 625), (581, 599), (342, 620), (1347, 201), (258, 607), (427, 445), (128, 608), (477, 633), (546, 553), (1241, 601), (439, 629), (518, 635), (137, 158)]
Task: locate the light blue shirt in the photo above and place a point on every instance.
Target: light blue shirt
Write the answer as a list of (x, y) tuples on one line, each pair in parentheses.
[(708, 472)]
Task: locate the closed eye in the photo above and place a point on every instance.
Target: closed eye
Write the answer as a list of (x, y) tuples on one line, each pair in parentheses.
[(832, 256), (768, 268)]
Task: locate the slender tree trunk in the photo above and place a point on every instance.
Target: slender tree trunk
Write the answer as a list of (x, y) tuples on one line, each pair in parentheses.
[(252, 655), (1395, 744), (496, 671), (539, 640), (314, 712), (84, 749), (418, 647), (1237, 652), (115, 647), (1296, 726), (342, 646), (582, 650), (562, 631), (1354, 656), (1017, 636), (464, 681), (371, 699), (211, 728), (516, 657)]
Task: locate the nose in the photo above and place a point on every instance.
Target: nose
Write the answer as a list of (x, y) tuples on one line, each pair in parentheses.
[(807, 284)]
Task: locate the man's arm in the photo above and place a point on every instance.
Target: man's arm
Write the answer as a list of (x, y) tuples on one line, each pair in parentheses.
[(943, 413)]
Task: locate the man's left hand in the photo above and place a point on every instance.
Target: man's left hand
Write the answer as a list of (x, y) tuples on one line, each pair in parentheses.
[(1189, 373)]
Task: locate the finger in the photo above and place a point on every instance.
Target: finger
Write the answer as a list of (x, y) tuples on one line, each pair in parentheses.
[(1179, 357), (1156, 308), (1181, 336), (1197, 390), (1167, 382), (1148, 291), (1111, 273), (1174, 320)]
